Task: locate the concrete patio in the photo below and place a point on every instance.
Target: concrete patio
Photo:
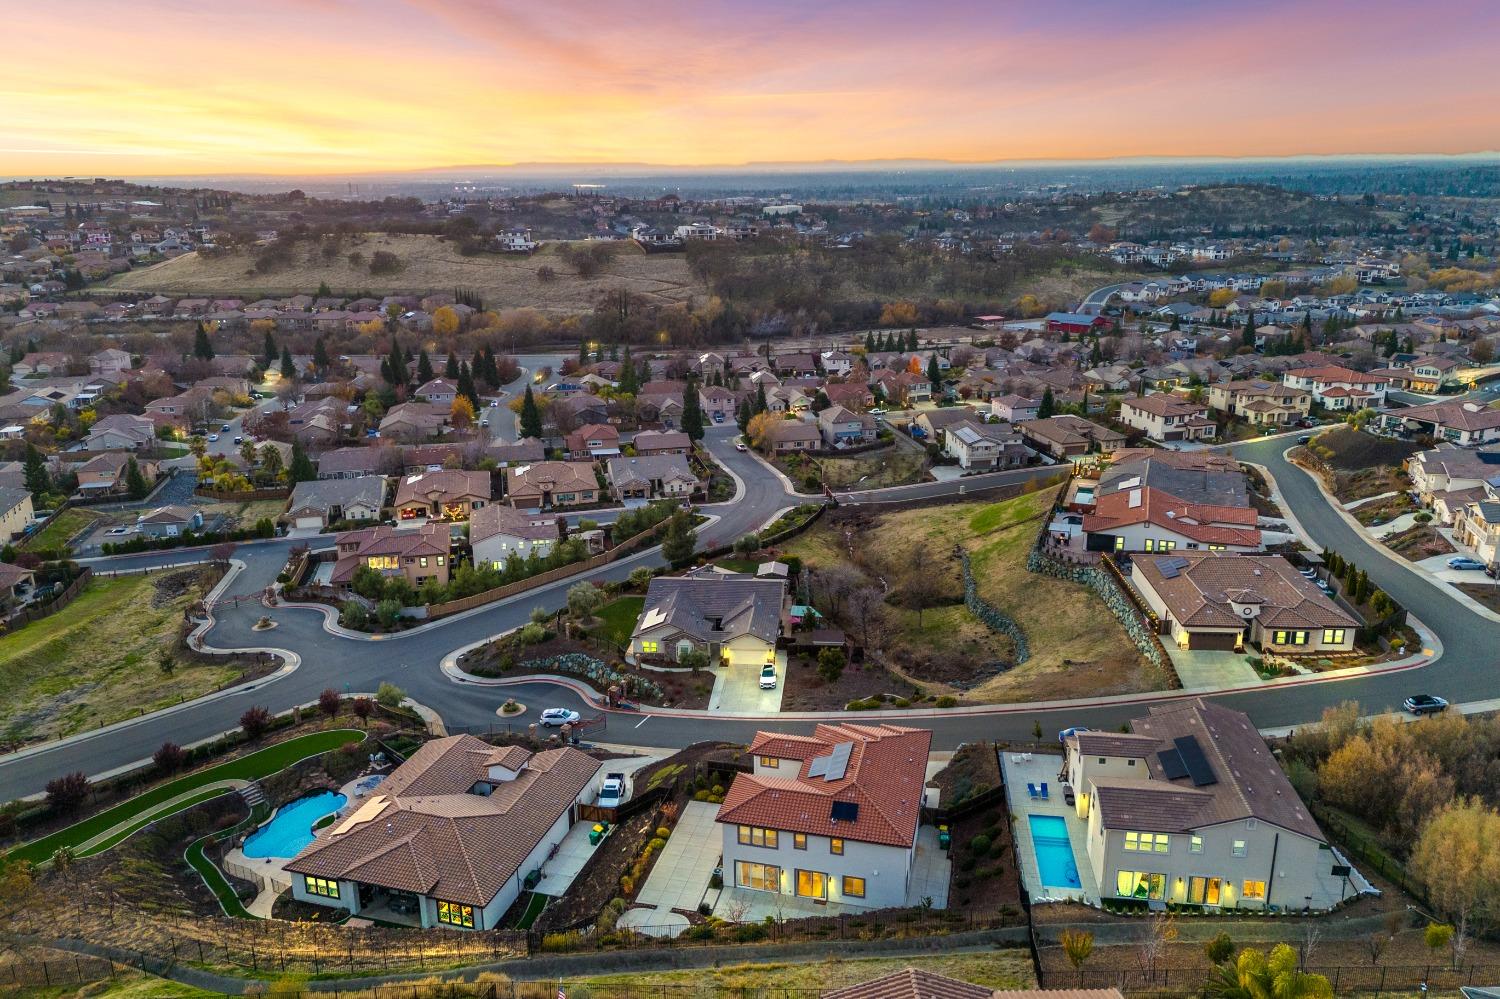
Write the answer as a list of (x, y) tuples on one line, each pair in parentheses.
[(1044, 767), (566, 861), (680, 875)]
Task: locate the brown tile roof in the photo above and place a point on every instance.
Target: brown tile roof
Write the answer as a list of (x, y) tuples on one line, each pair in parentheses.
[(445, 485), (885, 776), (1198, 593), (1114, 744), (915, 983), (1209, 524), (425, 832)]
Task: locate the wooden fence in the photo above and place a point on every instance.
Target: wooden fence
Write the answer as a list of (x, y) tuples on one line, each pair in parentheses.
[(243, 495), (57, 603), (619, 551)]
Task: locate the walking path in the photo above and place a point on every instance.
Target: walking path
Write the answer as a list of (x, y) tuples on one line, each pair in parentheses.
[(121, 830)]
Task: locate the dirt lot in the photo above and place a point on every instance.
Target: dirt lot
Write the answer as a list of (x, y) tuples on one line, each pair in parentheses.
[(431, 264), (903, 462), (805, 690), (1356, 465), (1077, 648), (1416, 543)]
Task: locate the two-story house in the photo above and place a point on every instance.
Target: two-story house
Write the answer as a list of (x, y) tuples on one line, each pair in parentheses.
[(1168, 418), (1259, 402), (1338, 388), (830, 818), (653, 476), (985, 447), (420, 555), (842, 428), (1468, 424), (498, 533)]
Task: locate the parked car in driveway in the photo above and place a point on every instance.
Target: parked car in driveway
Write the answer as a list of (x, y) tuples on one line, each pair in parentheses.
[(768, 677), (557, 717), (612, 791), (1464, 562), (1424, 704), (212, 438)]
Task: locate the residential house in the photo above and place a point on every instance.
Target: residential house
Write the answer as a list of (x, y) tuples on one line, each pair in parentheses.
[(789, 436), (1190, 807), (1430, 374), (1075, 324), (121, 432), (16, 512), (841, 428), (439, 392), (1223, 602), (1339, 388), (17, 585), (551, 483), (1147, 519), (735, 619), (1449, 471), (415, 421), (106, 473), (111, 362), (837, 363), (1071, 438), (981, 447), (1456, 421), (169, 521), (498, 533), (39, 363), (851, 395), (1012, 408), (659, 476), (420, 556), (321, 503), (831, 817), (355, 462), (662, 442), (664, 408), (447, 494), (526, 451), (1260, 402), (933, 423), (1168, 418), (1476, 524), (596, 440), (450, 836), (719, 403)]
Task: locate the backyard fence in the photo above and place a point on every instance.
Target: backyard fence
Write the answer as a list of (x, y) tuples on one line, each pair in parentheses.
[(57, 603), (1343, 977), (242, 495)]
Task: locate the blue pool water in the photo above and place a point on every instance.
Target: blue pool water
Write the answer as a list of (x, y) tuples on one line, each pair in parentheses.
[(1054, 854), (291, 828)]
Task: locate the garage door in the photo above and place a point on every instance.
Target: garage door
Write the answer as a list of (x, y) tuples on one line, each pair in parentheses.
[(313, 522), (1212, 641)]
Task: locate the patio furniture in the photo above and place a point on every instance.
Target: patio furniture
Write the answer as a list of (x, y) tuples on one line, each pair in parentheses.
[(1025, 757), (1031, 789), (1044, 790)]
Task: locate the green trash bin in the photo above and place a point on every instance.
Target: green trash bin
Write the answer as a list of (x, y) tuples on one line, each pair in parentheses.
[(945, 838), (597, 833)]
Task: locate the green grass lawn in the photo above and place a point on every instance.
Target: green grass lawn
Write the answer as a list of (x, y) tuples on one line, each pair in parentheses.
[(62, 527), (150, 817), (216, 882), (97, 660), (738, 564), (261, 763), (617, 619), (534, 906)]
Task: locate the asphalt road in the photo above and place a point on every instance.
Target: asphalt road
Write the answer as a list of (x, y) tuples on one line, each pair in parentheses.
[(410, 660)]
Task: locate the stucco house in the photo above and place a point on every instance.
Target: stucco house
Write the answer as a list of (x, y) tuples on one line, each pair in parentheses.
[(655, 476), (831, 817), (449, 837), (1168, 418), (420, 555), (15, 512), (551, 483), (1191, 807), (169, 521), (318, 503), (447, 494), (734, 618), (497, 532)]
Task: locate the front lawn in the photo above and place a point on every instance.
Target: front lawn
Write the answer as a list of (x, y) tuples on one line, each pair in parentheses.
[(617, 620), (253, 766), (100, 659), (62, 527)]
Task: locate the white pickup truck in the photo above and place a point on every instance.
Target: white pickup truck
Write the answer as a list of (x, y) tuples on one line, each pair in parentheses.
[(612, 791)]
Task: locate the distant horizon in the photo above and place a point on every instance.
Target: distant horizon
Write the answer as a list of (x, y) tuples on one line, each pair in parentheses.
[(354, 87)]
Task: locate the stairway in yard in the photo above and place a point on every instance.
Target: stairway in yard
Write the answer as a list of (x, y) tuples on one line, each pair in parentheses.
[(252, 794)]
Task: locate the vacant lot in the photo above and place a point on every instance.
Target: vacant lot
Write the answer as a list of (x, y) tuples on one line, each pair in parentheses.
[(1078, 649), (1416, 543), (902, 463), (98, 660), (430, 264), (1356, 465), (999, 969), (62, 527)]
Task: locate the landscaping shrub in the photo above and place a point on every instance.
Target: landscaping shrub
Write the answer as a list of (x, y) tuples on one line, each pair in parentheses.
[(947, 701), (662, 832), (980, 843)]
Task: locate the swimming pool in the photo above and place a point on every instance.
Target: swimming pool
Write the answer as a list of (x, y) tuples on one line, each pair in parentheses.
[(291, 828), (1085, 494), (1054, 854)]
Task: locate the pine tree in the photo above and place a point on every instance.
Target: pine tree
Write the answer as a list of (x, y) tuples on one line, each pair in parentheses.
[(288, 368), (1096, 356), (424, 367), (869, 342), (466, 386), (476, 367), (760, 397), (269, 351), (450, 369), (135, 483), (202, 349), (321, 360), (1247, 337), (531, 416), (692, 411), (679, 542), (934, 375), (1048, 406), (301, 468), (398, 374), (742, 417), (583, 353), (629, 383), (911, 340), (38, 480)]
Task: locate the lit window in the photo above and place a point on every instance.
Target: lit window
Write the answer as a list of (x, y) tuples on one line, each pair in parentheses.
[(1254, 890), (440, 559), (854, 887), (1119, 543), (760, 877), (650, 647), (455, 914), (799, 841), (1140, 884), (320, 886), (770, 762), (836, 846), (1150, 544), (1239, 848), (1166, 546), (423, 561), (1333, 636), (1195, 844), (756, 836)]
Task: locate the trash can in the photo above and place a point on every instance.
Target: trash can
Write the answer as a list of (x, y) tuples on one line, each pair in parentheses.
[(597, 833), (945, 838)]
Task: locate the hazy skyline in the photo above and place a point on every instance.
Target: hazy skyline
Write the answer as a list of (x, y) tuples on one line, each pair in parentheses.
[(306, 86)]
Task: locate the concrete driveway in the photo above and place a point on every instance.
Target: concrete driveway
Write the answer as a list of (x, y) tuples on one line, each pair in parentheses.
[(737, 690), (1203, 669), (680, 876)]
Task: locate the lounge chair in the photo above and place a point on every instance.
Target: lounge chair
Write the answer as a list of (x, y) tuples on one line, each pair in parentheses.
[(1044, 790), (1031, 789)]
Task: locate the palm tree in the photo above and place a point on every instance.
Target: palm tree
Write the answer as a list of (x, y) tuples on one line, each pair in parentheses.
[(1254, 975)]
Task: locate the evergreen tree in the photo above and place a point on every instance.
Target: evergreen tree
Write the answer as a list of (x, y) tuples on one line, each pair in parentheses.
[(38, 481), (491, 369), (424, 367), (934, 375), (466, 386), (385, 371), (679, 542), (643, 372), (760, 397), (583, 353), (911, 340), (398, 374), (742, 417), (202, 349), (321, 360), (692, 411), (288, 368), (531, 416), (1176, 323), (269, 351), (869, 342), (301, 469), (629, 382), (1096, 356), (1247, 337), (135, 483), (1048, 406), (450, 370), (476, 367)]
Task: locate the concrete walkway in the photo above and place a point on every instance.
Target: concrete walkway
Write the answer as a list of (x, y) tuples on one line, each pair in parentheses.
[(169, 807), (680, 875)]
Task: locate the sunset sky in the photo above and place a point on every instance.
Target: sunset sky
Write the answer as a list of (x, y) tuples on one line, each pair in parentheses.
[(299, 86)]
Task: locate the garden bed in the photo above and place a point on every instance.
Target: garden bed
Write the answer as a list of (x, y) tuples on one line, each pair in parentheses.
[(806, 690), (591, 665), (1416, 543)]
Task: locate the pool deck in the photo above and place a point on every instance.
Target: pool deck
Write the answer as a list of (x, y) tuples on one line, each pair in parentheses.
[(1041, 767)]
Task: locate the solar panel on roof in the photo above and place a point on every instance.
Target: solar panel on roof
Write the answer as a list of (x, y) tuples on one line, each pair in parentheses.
[(844, 811), (1170, 567), (1171, 764), (838, 761), (819, 766), (1193, 759)]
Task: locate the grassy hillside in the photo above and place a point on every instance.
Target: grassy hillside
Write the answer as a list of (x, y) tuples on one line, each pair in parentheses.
[(430, 264)]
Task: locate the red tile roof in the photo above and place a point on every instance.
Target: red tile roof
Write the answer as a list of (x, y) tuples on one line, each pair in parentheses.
[(1215, 525)]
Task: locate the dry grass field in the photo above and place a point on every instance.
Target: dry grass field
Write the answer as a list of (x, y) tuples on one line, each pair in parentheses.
[(430, 264)]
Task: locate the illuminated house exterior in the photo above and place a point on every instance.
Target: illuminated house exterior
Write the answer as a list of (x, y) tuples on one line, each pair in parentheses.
[(447, 494), (421, 555)]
